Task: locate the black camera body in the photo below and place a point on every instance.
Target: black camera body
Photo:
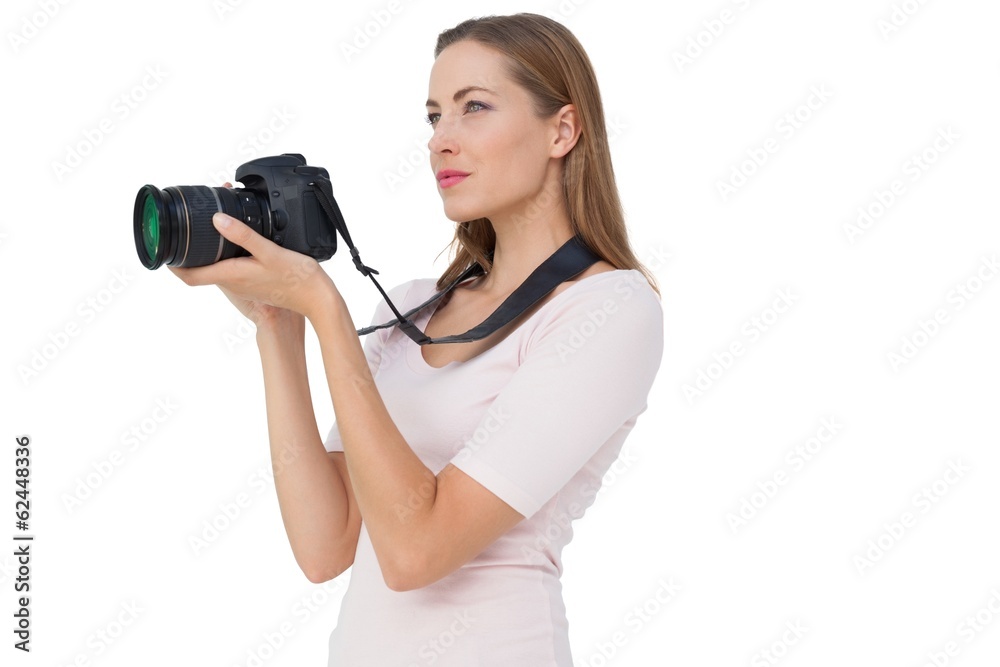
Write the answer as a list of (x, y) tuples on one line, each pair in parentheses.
[(174, 226)]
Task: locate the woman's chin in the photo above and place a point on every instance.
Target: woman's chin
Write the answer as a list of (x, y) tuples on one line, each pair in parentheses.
[(461, 213)]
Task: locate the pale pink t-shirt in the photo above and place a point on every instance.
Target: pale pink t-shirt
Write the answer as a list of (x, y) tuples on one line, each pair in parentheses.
[(537, 419)]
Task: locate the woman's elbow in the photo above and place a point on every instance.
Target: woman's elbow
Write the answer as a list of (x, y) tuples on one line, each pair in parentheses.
[(319, 576), (403, 584), (320, 571), (407, 572)]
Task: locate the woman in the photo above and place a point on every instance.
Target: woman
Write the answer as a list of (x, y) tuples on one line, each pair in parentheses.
[(453, 473)]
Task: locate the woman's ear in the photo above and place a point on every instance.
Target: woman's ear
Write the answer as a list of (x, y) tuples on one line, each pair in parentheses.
[(567, 126)]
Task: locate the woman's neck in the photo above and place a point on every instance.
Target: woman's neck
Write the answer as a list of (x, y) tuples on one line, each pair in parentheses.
[(525, 239)]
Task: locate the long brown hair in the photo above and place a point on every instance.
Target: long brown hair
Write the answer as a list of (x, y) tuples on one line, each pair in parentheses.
[(547, 60)]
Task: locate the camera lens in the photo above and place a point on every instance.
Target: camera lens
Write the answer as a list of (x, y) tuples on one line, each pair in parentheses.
[(150, 225), (173, 226)]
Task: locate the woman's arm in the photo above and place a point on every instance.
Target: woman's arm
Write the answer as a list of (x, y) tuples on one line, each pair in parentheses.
[(314, 492), (422, 526)]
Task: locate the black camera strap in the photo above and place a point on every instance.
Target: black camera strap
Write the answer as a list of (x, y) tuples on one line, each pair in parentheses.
[(568, 261)]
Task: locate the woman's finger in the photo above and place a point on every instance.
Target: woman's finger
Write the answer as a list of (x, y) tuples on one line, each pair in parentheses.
[(200, 275), (242, 235)]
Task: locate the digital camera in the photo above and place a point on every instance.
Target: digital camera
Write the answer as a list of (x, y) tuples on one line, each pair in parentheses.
[(173, 226)]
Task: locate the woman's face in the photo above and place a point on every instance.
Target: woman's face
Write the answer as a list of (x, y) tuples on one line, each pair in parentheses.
[(486, 133)]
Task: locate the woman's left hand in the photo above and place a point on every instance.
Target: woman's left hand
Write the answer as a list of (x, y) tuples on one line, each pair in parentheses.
[(273, 275)]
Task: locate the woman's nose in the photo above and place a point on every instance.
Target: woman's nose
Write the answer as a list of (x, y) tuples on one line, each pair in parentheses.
[(443, 139)]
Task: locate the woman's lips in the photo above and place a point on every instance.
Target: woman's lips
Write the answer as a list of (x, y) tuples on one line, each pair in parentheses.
[(449, 177)]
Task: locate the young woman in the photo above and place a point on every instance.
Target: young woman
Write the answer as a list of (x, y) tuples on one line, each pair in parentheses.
[(454, 472)]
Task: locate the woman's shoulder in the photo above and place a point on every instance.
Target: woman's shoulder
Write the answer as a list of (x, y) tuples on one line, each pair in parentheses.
[(621, 295), (610, 323), (617, 285)]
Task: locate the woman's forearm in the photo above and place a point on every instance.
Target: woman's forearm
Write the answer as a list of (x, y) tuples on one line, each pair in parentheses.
[(311, 494), (395, 491)]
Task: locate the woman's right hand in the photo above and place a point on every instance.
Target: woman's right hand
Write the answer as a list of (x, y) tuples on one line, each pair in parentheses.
[(263, 315)]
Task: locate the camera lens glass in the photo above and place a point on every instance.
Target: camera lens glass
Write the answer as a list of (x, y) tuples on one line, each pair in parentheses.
[(173, 226), (150, 226)]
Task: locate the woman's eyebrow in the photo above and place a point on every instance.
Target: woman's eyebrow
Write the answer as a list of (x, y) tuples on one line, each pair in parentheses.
[(460, 94)]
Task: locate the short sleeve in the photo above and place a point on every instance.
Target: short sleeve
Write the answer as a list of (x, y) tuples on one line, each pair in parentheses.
[(586, 372), (374, 346)]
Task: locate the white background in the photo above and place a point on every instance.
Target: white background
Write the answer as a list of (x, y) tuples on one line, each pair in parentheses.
[(230, 73)]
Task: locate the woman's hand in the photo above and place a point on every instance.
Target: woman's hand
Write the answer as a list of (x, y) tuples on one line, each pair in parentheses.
[(261, 314), (272, 280)]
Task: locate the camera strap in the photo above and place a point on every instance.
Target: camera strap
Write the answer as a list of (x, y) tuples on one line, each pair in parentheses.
[(571, 259)]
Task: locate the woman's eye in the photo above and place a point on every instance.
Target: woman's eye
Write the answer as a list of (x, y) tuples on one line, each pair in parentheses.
[(471, 106)]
